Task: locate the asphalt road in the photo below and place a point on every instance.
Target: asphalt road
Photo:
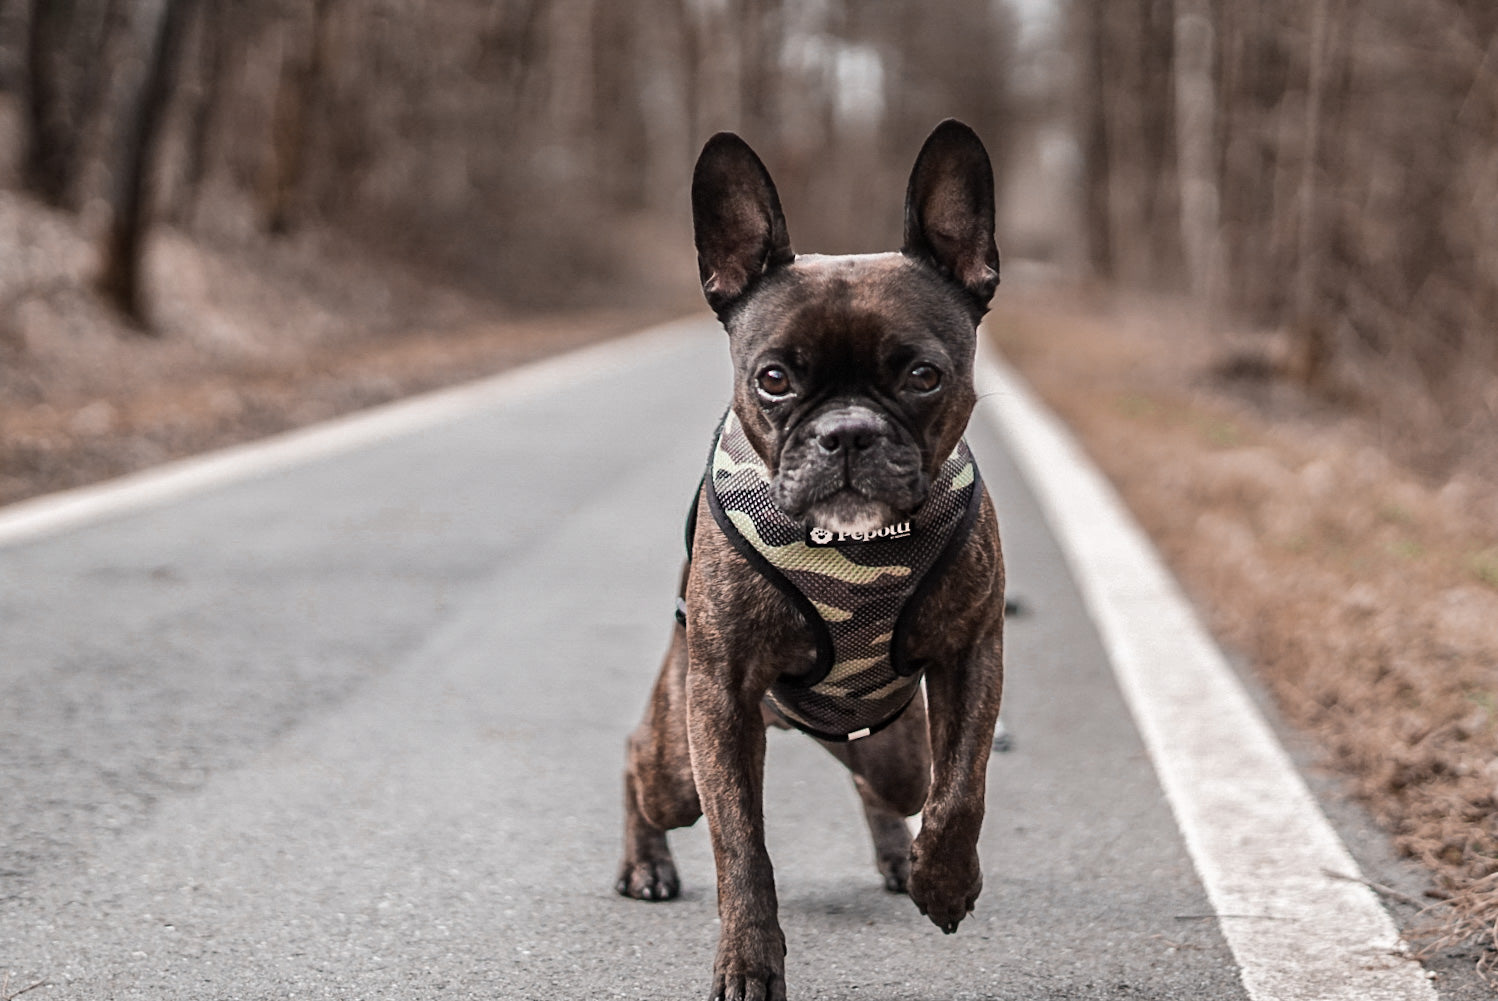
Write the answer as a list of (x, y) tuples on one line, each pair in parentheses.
[(354, 729)]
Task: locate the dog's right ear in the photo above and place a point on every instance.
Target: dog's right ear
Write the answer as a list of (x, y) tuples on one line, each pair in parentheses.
[(949, 210), (736, 221)]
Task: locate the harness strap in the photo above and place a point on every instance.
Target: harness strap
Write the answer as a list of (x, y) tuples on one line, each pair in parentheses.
[(857, 593)]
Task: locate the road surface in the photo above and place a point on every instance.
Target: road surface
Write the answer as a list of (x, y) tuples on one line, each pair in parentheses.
[(352, 727)]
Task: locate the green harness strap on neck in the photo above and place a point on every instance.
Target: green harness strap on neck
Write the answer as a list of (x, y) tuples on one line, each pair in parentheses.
[(858, 593)]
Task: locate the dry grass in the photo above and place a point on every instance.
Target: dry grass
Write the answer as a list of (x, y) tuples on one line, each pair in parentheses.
[(1366, 597), (250, 339)]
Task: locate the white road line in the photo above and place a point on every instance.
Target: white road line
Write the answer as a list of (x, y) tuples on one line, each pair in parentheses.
[(1260, 843), (51, 513)]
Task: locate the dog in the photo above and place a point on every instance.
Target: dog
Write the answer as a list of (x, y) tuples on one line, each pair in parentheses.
[(841, 549)]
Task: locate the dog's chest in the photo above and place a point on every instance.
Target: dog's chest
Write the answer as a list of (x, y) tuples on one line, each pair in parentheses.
[(856, 593)]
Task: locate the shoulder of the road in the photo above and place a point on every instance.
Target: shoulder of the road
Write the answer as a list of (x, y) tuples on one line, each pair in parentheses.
[(52, 513), (1264, 851)]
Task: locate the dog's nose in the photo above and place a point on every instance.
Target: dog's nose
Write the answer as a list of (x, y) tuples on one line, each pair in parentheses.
[(847, 432)]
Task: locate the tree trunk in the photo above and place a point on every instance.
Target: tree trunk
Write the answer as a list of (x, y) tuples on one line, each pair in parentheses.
[(51, 156), (1196, 131), (621, 159), (124, 246), (210, 70), (1312, 347), (1097, 220), (298, 99)]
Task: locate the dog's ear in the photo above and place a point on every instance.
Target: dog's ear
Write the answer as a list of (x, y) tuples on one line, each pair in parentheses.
[(949, 214), (736, 220)]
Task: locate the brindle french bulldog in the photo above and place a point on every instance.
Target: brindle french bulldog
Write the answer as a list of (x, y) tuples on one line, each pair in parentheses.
[(853, 387)]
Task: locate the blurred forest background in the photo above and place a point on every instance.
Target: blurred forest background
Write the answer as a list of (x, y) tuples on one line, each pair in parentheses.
[(1325, 169), (506, 145), (1325, 172), (203, 202)]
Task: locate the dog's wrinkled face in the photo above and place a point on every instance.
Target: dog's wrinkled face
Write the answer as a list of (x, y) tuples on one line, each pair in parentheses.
[(853, 375), (854, 383)]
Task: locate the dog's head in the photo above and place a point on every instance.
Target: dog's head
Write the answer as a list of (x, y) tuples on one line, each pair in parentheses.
[(853, 374)]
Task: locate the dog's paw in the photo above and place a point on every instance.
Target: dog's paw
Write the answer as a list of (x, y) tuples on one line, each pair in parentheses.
[(753, 986), (751, 968), (944, 888), (895, 868), (651, 879)]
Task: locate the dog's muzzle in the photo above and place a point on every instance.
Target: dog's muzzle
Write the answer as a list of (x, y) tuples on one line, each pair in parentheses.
[(850, 468)]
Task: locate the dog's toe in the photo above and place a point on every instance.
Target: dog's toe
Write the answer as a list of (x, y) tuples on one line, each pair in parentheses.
[(896, 872), (648, 880), (748, 988), (945, 889)]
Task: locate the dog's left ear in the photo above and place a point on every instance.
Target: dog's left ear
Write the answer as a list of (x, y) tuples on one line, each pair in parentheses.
[(736, 221), (949, 212)]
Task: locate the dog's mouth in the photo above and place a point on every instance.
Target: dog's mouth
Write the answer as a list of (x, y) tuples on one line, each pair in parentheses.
[(834, 500), (850, 468), (850, 512)]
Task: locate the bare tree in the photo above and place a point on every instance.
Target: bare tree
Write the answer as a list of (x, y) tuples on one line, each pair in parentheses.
[(443, 129), (298, 103), (124, 245), (1196, 139), (1348, 152), (1088, 26), (64, 79)]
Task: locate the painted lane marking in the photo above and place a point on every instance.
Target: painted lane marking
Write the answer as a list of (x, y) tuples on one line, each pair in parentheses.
[(1260, 843), (50, 513)]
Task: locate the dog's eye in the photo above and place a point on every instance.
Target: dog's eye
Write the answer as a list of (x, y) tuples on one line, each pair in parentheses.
[(923, 378), (773, 382)]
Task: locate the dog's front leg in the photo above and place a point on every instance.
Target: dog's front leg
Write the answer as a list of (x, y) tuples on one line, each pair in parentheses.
[(727, 738), (945, 876)]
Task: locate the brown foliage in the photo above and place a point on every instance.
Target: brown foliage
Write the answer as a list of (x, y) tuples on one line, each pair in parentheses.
[(1349, 195), (505, 144)]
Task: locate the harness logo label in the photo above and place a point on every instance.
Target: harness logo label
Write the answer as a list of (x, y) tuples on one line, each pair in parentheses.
[(819, 536)]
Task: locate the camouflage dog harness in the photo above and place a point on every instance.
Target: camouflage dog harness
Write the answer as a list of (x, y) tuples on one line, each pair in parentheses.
[(857, 591)]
